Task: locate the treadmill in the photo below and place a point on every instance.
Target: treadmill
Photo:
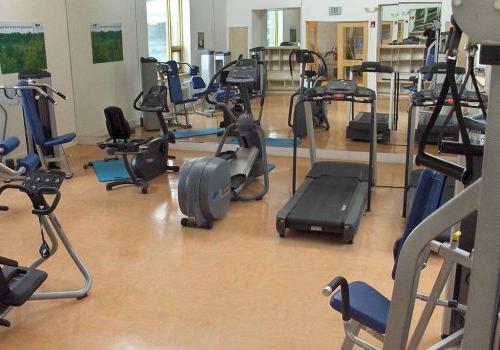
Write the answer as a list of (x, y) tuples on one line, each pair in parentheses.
[(358, 128), (334, 195)]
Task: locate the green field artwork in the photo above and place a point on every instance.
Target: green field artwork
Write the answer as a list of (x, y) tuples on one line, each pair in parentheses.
[(107, 45), (22, 47)]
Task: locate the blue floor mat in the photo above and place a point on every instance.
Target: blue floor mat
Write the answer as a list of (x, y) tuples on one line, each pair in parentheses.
[(183, 134), (111, 170), (271, 142)]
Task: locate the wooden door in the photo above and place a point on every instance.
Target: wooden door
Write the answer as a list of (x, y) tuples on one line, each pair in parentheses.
[(352, 41), (312, 35), (238, 42)]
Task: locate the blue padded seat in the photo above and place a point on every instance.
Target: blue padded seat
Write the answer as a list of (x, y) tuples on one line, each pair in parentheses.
[(60, 140), (368, 306)]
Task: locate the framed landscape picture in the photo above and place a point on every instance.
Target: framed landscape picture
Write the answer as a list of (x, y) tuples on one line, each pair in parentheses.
[(22, 47), (107, 44)]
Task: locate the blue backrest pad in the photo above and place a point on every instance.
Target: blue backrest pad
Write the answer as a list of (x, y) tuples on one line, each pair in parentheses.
[(426, 200)]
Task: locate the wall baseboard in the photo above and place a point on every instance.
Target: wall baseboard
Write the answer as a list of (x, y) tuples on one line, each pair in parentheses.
[(398, 158)]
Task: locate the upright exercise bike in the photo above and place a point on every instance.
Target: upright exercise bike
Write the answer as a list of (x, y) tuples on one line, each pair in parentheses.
[(208, 184)]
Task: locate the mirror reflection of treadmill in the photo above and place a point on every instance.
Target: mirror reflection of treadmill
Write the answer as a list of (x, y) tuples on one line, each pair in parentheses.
[(334, 195)]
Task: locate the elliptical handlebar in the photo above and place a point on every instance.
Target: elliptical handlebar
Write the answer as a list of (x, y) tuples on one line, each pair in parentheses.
[(208, 91), (302, 53), (37, 197)]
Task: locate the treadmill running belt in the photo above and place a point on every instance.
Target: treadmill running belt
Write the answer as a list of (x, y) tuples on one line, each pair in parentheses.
[(326, 203)]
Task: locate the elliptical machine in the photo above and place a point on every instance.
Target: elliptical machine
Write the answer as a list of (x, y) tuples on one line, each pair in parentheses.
[(208, 184), (308, 79)]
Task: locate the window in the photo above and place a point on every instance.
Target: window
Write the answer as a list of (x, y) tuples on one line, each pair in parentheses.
[(274, 27), (165, 29)]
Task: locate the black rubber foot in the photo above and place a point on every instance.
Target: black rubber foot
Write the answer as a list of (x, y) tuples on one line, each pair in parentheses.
[(144, 190), (185, 222), (82, 297), (280, 227), (4, 323), (348, 240), (209, 226)]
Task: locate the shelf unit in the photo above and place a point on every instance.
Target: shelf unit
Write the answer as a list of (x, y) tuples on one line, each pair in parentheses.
[(406, 59), (278, 70)]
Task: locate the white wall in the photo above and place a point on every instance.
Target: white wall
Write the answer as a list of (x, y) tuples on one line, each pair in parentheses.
[(98, 86), (52, 14), (209, 17), (239, 13), (259, 27), (291, 19)]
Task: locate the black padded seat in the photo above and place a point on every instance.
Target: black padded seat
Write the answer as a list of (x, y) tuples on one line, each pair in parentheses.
[(18, 284)]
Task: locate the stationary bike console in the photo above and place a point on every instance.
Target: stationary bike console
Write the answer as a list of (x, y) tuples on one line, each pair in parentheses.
[(36, 184), (245, 71), (43, 179)]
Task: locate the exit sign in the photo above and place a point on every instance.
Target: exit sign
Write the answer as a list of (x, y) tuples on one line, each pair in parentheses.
[(335, 11)]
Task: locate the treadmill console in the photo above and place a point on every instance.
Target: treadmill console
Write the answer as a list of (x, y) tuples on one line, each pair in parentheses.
[(341, 86), (244, 71)]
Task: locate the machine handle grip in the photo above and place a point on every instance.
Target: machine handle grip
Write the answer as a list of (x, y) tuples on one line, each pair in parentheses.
[(50, 99), (47, 208), (450, 169), (136, 101), (454, 38), (61, 95), (344, 290), (453, 147)]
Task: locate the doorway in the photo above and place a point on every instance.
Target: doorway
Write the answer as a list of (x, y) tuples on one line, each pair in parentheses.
[(343, 45), (238, 42)]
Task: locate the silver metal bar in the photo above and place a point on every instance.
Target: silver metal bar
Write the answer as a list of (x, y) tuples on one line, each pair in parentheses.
[(357, 341), (311, 137), (54, 243), (484, 290), (373, 143), (348, 344), (391, 100), (80, 293), (452, 340), (410, 260), (432, 301)]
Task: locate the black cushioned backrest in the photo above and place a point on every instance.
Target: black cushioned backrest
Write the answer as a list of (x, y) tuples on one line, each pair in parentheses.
[(118, 126), (4, 286)]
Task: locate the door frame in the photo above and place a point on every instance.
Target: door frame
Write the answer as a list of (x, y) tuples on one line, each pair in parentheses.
[(341, 62)]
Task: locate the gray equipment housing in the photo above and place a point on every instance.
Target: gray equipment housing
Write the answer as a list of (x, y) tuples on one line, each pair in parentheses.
[(207, 65), (259, 54), (205, 190), (221, 59), (149, 78)]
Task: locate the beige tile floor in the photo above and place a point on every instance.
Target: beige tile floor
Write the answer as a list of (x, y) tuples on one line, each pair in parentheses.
[(160, 286)]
